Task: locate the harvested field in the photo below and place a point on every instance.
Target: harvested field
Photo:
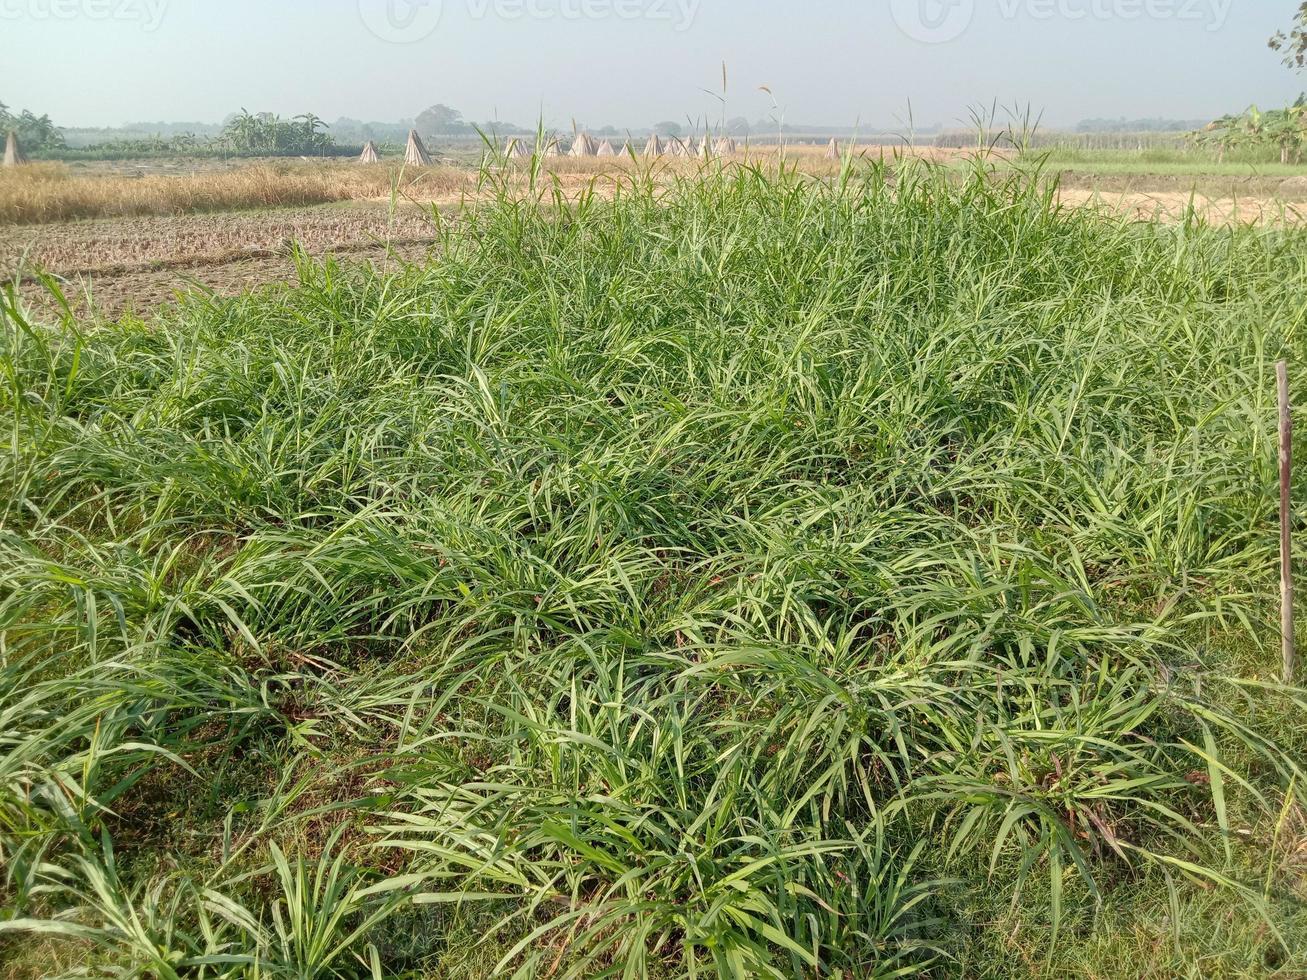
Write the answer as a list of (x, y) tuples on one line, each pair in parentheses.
[(50, 192), (116, 245), (143, 291), (45, 193), (112, 266)]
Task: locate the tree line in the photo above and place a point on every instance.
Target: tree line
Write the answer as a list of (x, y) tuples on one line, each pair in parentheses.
[(1284, 130), (37, 134)]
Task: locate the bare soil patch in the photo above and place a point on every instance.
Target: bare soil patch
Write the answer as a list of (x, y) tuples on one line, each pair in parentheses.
[(119, 265), (141, 291), (1172, 206), (119, 245)]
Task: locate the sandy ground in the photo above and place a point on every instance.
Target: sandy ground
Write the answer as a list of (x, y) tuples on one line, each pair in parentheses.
[(1173, 206)]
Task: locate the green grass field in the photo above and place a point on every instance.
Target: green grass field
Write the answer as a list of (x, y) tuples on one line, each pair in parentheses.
[(1200, 172), (1177, 163), (758, 577)]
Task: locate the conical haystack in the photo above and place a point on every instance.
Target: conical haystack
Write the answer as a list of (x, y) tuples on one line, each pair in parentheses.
[(553, 149), (675, 148), (833, 150), (584, 146), (416, 154), (605, 150), (370, 154), (14, 155), (705, 149), (724, 147), (516, 149), (654, 148)]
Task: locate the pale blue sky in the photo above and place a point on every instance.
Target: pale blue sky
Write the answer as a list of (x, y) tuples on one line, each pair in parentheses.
[(633, 62)]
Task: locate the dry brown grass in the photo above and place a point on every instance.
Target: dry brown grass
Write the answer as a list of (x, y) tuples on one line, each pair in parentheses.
[(44, 193), (808, 159), (37, 957), (49, 192)]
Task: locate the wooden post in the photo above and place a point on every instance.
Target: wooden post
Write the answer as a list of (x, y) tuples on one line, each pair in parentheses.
[(1286, 541)]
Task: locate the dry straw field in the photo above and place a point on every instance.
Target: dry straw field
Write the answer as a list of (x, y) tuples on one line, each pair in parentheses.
[(43, 193), (50, 192)]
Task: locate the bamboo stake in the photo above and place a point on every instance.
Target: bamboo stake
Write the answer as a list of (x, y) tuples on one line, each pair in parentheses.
[(1286, 557)]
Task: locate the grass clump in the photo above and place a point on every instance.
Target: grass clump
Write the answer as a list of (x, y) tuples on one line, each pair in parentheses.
[(758, 575)]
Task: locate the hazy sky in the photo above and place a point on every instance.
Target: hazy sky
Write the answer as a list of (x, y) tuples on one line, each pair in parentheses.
[(634, 62)]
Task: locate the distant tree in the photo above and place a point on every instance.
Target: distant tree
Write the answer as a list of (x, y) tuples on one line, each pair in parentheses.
[(162, 128), (439, 119), (311, 122), (346, 130), (739, 126), (1282, 129), (668, 128), (1152, 125), (35, 133), (495, 129), (1285, 128), (1293, 43), (267, 133)]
